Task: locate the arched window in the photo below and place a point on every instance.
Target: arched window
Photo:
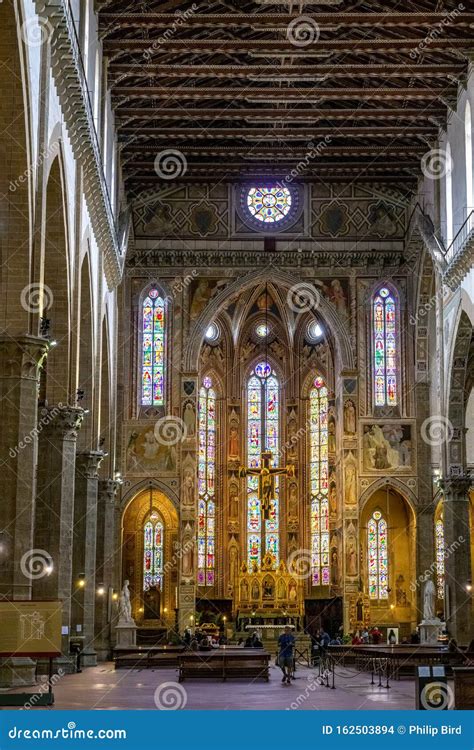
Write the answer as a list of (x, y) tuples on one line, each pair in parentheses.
[(153, 349), (263, 434), (439, 547), (153, 554), (377, 547), (319, 471), (206, 484), (385, 348), (469, 172), (449, 197)]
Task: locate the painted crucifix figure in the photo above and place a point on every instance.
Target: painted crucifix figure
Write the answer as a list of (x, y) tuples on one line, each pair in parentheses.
[(266, 474)]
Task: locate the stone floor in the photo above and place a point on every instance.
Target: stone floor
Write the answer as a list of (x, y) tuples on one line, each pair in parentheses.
[(102, 687)]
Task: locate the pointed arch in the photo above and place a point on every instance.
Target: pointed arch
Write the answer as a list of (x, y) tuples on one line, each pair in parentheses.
[(336, 328)]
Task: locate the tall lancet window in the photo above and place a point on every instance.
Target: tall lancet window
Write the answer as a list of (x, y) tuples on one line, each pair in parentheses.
[(385, 348), (152, 554), (263, 434), (440, 549), (153, 349), (377, 548), (319, 472), (207, 484)]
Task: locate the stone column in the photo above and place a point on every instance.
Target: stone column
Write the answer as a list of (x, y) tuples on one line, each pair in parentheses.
[(425, 552), (19, 369), (20, 360), (54, 511), (187, 551), (458, 556), (107, 549), (84, 551), (348, 490)]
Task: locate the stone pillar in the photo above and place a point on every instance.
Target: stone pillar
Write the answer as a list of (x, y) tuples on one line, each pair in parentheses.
[(54, 511), (458, 556), (107, 549), (425, 551), (19, 369), (187, 551), (348, 489), (20, 360), (84, 551)]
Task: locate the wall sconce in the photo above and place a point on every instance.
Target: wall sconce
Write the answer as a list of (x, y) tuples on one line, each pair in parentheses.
[(81, 580), (115, 596), (100, 589), (469, 587)]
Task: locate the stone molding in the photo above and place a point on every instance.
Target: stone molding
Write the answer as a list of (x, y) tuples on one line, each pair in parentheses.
[(78, 117)]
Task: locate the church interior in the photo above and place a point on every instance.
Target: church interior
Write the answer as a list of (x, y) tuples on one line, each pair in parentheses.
[(237, 350)]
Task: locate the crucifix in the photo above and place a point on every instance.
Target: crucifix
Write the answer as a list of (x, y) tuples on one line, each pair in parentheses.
[(266, 480)]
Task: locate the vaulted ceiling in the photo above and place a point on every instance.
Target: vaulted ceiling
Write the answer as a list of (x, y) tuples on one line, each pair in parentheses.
[(241, 88)]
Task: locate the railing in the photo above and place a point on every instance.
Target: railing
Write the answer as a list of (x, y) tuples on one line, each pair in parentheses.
[(465, 234)]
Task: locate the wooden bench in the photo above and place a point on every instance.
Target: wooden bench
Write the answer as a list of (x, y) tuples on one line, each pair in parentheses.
[(224, 662), (144, 657)]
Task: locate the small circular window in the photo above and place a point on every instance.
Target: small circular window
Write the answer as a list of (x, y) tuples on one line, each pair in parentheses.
[(269, 204), (212, 333)]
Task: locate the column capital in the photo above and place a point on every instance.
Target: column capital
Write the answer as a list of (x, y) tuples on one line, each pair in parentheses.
[(22, 356), (62, 419), (88, 462), (108, 489), (456, 485)]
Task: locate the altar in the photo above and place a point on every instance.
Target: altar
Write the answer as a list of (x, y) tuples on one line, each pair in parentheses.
[(268, 599)]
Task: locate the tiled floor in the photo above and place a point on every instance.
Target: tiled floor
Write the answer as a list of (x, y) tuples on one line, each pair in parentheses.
[(102, 687)]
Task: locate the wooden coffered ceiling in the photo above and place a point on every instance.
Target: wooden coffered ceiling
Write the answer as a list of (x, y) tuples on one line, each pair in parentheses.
[(240, 88)]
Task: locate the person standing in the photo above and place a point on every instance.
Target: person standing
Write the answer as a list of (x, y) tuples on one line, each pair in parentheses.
[(286, 647)]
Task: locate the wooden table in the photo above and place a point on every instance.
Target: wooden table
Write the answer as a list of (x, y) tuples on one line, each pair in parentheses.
[(225, 662)]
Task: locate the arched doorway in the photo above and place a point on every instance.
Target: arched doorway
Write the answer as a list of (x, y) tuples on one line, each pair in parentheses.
[(150, 557), (388, 560)]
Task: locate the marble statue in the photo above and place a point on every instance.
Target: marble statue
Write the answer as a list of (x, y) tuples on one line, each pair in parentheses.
[(429, 599), (125, 607)]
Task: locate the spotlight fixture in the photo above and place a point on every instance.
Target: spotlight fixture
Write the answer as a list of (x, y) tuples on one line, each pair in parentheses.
[(81, 580), (101, 589)]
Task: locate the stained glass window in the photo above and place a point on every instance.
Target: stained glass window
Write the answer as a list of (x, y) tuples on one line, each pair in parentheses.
[(439, 543), (269, 204), (206, 484), (377, 547), (385, 348), (263, 434), (153, 350), (319, 470), (152, 554)]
